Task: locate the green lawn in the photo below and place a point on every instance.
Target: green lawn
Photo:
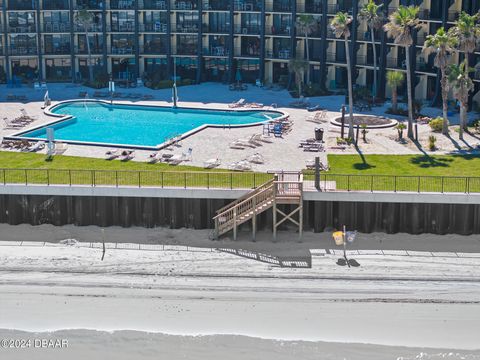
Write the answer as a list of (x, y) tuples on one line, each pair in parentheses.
[(415, 165), (77, 170)]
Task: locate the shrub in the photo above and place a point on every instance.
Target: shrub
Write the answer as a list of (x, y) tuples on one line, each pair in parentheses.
[(400, 127), (314, 90), (399, 111), (431, 142), (436, 124)]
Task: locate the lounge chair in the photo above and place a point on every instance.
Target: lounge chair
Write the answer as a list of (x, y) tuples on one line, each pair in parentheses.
[(256, 158), (177, 159), (242, 143), (39, 145), (154, 157), (262, 138), (127, 155), (240, 166), (112, 154), (278, 130), (211, 163), (252, 140), (237, 104)]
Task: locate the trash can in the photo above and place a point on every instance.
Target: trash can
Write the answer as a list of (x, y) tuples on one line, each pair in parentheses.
[(319, 134)]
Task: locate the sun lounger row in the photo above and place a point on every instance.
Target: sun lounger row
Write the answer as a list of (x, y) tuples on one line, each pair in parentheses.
[(19, 122), (253, 141), (12, 97), (122, 155), (117, 95), (23, 145), (243, 103), (312, 145)]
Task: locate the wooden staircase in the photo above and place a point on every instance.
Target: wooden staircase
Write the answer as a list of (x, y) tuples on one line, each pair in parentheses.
[(279, 190)]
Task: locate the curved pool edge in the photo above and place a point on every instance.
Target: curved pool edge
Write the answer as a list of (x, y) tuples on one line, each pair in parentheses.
[(63, 117)]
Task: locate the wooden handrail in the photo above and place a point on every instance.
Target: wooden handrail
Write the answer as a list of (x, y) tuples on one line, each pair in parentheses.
[(244, 197)]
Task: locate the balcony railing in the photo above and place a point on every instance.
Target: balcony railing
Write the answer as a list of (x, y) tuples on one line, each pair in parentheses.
[(95, 50), (186, 50), (56, 5), (185, 28), (185, 5), (92, 28), (247, 6), (281, 31), (56, 27), (153, 27), (283, 54), (364, 60), (58, 50), (17, 29), (395, 63), (313, 7), (216, 51), (89, 4), (122, 50), (21, 5), (21, 50), (247, 52), (153, 5), (247, 29), (219, 29), (217, 5), (122, 27), (152, 49), (122, 4)]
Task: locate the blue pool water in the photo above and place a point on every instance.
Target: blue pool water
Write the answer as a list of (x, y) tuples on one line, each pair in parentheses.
[(140, 126)]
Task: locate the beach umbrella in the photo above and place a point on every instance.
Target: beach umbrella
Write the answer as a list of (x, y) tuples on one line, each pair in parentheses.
[(46, 99), (238, 76)]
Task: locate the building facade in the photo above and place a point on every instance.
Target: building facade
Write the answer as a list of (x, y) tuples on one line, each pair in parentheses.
[(209, 40)]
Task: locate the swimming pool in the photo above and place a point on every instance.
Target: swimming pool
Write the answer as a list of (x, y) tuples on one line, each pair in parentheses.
[(137, 126)]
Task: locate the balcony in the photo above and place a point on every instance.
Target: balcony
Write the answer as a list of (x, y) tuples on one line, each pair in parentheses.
[(216, 28), (62, 49), (282, 54), (94, 50), (25, 29), (154, 49), (453, 16), (157, 27), (364, 60), (185, 5), (56, 27), (122, 4), (123, 27), (56, 5), (153, 5), (186, 49), (280, 6), (247, 29), (280, 31), (222, 5), (220, 51), (21, 5), (122, 50), (185, 28), (335, 58), (247, 51), (423, 66), (89, 4), (395, 63), (95, 28), (247, 5), (23, 50)]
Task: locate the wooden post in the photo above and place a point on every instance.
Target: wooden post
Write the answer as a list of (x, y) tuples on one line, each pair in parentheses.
[(275, 209), (300, 214)]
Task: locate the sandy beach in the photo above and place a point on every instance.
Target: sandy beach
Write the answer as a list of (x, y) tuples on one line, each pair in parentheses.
[(411, 296)]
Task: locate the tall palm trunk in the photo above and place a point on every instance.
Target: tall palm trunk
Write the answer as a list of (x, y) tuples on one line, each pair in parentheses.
[(308, 57), (394, 99), (409, 94), (463, 119), (463, 110), (350, 91), (375, 81), (90, 68), (444, 99)]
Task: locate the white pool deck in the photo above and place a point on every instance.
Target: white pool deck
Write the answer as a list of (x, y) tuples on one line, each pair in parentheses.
[(282, 153)]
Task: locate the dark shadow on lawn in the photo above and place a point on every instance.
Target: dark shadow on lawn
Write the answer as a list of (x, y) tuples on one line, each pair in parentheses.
[(427, 161), (363, 165)]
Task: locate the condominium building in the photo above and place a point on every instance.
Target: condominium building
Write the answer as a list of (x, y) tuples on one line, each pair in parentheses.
[(209, 40)]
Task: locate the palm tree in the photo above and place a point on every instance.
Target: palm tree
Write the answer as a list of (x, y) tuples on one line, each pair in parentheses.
[(306, 24), (400, 25), (369, 13), (467, 32), (394, 80), (340, 25), (85, 19), (461, 85), (442, 44), (298, 67)]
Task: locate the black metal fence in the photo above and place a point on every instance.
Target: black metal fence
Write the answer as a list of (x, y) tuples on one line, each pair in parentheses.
[(235, 180), (132, 178), (392, 183)]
